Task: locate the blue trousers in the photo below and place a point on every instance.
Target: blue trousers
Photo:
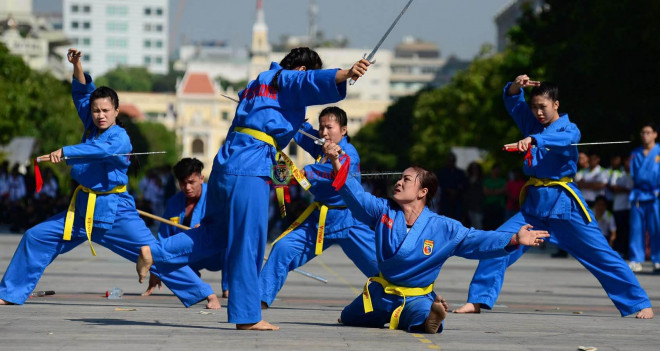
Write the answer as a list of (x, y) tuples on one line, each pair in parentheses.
[(297, 248), (414, 313), (644, 216), (236, 219), (582, 240), (42, 243)]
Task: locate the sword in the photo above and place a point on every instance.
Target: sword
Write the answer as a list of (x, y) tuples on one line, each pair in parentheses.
[(47, 158), (371, 55), (514, 148)]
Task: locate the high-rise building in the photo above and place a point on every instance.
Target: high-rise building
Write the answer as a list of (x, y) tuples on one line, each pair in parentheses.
[(508, 16), (112, 33)]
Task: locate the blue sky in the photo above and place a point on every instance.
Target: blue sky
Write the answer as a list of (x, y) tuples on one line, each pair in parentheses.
[(459, 27)]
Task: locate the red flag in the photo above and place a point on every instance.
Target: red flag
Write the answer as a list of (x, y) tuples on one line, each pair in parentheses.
[(37, 176), (342, 174)]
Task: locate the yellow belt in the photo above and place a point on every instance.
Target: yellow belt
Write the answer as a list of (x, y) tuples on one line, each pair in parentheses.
[(297, 173), (392, 290), (89, 214), (320, 231), (563, 182)]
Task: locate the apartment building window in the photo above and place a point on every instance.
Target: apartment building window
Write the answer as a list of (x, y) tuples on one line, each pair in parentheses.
[(117, 26), (86, 57), (147, 60), (198, 147), (87, 9), (159, 60), (117, 42), (74, 24), (87, 41), (159, 11), (147, 27), (75, 41), (117, 10), (75, 8), (87, 25), (225, 115), (147, 43), (147, 11), (159, 43), (159, 28)]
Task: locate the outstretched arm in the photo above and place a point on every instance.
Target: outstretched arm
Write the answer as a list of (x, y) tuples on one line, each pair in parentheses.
[(355, 72)]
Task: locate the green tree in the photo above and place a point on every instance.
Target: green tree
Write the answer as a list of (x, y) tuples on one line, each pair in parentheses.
[(125, 78)]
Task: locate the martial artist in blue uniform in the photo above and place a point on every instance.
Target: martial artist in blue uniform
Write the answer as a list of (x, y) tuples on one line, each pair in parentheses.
[(271, 110), (113, 222), (412, 244), (551, 200), (310, 235), (645, 205), (188, 173)]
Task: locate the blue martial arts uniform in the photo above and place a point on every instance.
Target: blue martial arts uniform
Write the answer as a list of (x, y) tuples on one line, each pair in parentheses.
[(237, 205), (175, 211), (298, 247), (116, 225), (645, 205), (411, 258), (560, 210)]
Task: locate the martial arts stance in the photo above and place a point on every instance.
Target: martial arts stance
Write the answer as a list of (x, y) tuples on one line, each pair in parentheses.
[(412, 244), (187, 207), (644, 201), (270, 111), (551, 200), (101, 209), (326, 221)]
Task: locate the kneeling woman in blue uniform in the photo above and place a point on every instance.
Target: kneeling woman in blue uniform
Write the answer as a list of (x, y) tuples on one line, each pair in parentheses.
[(326, 221), (101, 210), (412, 244), (270, 111)]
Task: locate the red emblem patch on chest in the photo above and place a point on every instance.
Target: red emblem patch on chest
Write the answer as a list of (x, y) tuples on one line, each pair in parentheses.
[(428, 247), (387, 221)]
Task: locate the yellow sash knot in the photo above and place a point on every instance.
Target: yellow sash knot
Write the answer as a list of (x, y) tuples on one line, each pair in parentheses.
[(563, 182), (297, 173), (392, 289), (89, 213)]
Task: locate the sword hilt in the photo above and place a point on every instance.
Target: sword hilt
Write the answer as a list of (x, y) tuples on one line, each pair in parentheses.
[(353, 80)]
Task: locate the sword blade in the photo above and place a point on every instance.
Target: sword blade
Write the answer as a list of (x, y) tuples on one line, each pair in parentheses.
[(382, 39)]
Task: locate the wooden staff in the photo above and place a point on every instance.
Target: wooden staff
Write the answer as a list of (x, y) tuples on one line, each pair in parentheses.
[(166, 221)]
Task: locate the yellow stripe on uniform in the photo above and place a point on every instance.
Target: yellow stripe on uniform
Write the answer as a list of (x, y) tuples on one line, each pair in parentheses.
[(89, 213), (319, 232), (563, 182), (392, 289)]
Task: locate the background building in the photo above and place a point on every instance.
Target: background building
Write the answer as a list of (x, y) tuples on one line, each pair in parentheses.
[(111, 33), (414, 66), (507, 17)]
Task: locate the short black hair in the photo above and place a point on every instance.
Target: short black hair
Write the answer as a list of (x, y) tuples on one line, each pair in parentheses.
[(547, 89), (187, 166)]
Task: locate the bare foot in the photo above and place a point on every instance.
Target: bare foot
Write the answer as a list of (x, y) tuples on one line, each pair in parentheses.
[(225, 294), (469, 308), (264, 306), (3, 302), (339, 320), (436, 316), (213, 302), (646, 313), (261, 325), (144, 262)]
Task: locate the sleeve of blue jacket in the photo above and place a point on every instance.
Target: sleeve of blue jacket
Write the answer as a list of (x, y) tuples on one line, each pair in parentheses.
[(479, 244), (118, 143), (520, 112), (364, 206), (80, 93), (306, 142), (313, 87)]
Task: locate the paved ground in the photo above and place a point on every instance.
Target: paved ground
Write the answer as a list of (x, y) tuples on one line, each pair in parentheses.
[(546, 304)]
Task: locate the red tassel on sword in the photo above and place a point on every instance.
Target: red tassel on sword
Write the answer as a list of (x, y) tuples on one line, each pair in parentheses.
[(342, 174), (37, 177)]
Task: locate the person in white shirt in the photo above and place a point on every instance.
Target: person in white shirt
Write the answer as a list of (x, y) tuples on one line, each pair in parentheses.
[(605, 219), (620, 184), (593, 179)]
